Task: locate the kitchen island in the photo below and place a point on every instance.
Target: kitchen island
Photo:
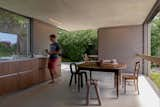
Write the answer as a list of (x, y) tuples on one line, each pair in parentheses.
[(22, 73)]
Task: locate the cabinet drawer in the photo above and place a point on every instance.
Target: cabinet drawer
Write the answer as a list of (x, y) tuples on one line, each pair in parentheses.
[(8, 83), (25, 79)]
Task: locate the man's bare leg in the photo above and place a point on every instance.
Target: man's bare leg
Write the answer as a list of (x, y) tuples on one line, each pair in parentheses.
[(52, 76)]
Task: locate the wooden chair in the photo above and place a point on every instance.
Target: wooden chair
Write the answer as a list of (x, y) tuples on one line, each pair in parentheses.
[(95, 84), (74, 73), (133, 76), (85, 57)]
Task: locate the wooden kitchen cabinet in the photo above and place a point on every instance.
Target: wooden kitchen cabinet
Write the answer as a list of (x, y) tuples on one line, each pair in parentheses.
[(8, 83), (20, 74)]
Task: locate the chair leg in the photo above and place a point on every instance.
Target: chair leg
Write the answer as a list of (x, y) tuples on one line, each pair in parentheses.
[(114, 81), (81, 80), (97, 93), (120, 78), (124, 85), (137, 87), (71, 80), (86, 78), (75, 77), (87, 97), (123, 82)]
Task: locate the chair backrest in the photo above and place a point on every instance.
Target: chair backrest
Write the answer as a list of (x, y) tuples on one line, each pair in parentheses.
[(73, 67), (85, 57), (137, 68)]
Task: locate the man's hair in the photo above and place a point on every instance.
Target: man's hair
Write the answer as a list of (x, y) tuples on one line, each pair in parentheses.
[(52, 36)]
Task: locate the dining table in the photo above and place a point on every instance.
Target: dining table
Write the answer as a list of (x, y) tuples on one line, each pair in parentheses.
[(116, 68)]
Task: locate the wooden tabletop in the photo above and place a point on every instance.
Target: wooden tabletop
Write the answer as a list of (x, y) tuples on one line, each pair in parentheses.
[(102, 66)]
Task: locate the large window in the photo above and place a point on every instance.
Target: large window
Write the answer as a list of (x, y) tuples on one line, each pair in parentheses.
[(155, 49), (14, 34)]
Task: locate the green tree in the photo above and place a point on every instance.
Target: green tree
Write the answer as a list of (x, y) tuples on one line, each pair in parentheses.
[(16, 24), (155, 37), (75, 44)]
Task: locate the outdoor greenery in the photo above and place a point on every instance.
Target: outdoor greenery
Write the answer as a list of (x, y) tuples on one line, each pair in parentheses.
[(13, 24), (155, 36), (155, 47), (76, 44), (7, 51), (155, 76)]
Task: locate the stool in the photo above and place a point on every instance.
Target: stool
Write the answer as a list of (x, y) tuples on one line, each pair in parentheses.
[(95, 84)]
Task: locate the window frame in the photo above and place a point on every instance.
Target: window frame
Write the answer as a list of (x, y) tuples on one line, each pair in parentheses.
[(30, 30)]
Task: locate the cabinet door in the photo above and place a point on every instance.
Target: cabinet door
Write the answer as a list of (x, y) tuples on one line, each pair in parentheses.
[(43, 63), (36, 76), (41, 75), (47, 74), (8, 83), (4, 68), (25, 79)]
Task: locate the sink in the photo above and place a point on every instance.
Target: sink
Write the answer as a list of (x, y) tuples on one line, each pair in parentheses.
[(13, 58), (4, 59)]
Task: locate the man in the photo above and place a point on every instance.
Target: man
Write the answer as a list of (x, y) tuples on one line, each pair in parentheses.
[(53, 56)]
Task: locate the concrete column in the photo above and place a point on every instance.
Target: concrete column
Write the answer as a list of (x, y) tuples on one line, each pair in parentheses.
[(146, 47)]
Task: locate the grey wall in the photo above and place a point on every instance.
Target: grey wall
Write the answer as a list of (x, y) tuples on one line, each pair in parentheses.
[(41, 32), (121, 43)]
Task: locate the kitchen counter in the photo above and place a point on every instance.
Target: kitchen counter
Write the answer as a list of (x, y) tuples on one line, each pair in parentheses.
[(16, 74)]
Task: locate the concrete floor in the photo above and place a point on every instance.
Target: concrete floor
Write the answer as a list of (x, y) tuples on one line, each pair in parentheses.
[(60, 95)]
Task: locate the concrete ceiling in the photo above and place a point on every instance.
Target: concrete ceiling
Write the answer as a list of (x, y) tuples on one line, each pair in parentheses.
[(83, 14)]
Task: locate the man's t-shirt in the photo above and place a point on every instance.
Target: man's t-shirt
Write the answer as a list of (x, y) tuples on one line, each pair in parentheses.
[(54, 47)]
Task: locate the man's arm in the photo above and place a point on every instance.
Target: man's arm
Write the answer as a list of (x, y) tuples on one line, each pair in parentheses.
[(57, 51), (54, 52)]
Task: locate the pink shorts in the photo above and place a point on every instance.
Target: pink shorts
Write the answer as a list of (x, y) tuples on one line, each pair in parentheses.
[(52, 63)]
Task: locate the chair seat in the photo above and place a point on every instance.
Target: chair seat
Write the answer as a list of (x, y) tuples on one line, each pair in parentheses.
[(82, 71), (92, 82), (129, 77)]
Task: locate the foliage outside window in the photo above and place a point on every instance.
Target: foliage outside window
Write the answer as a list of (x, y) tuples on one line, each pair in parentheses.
[(155, 36), (155, 49), (76, 44), (13, 24)]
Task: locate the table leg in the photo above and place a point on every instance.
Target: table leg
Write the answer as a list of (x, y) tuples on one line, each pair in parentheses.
[(90, 72), (79, 78), (117, 83)]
